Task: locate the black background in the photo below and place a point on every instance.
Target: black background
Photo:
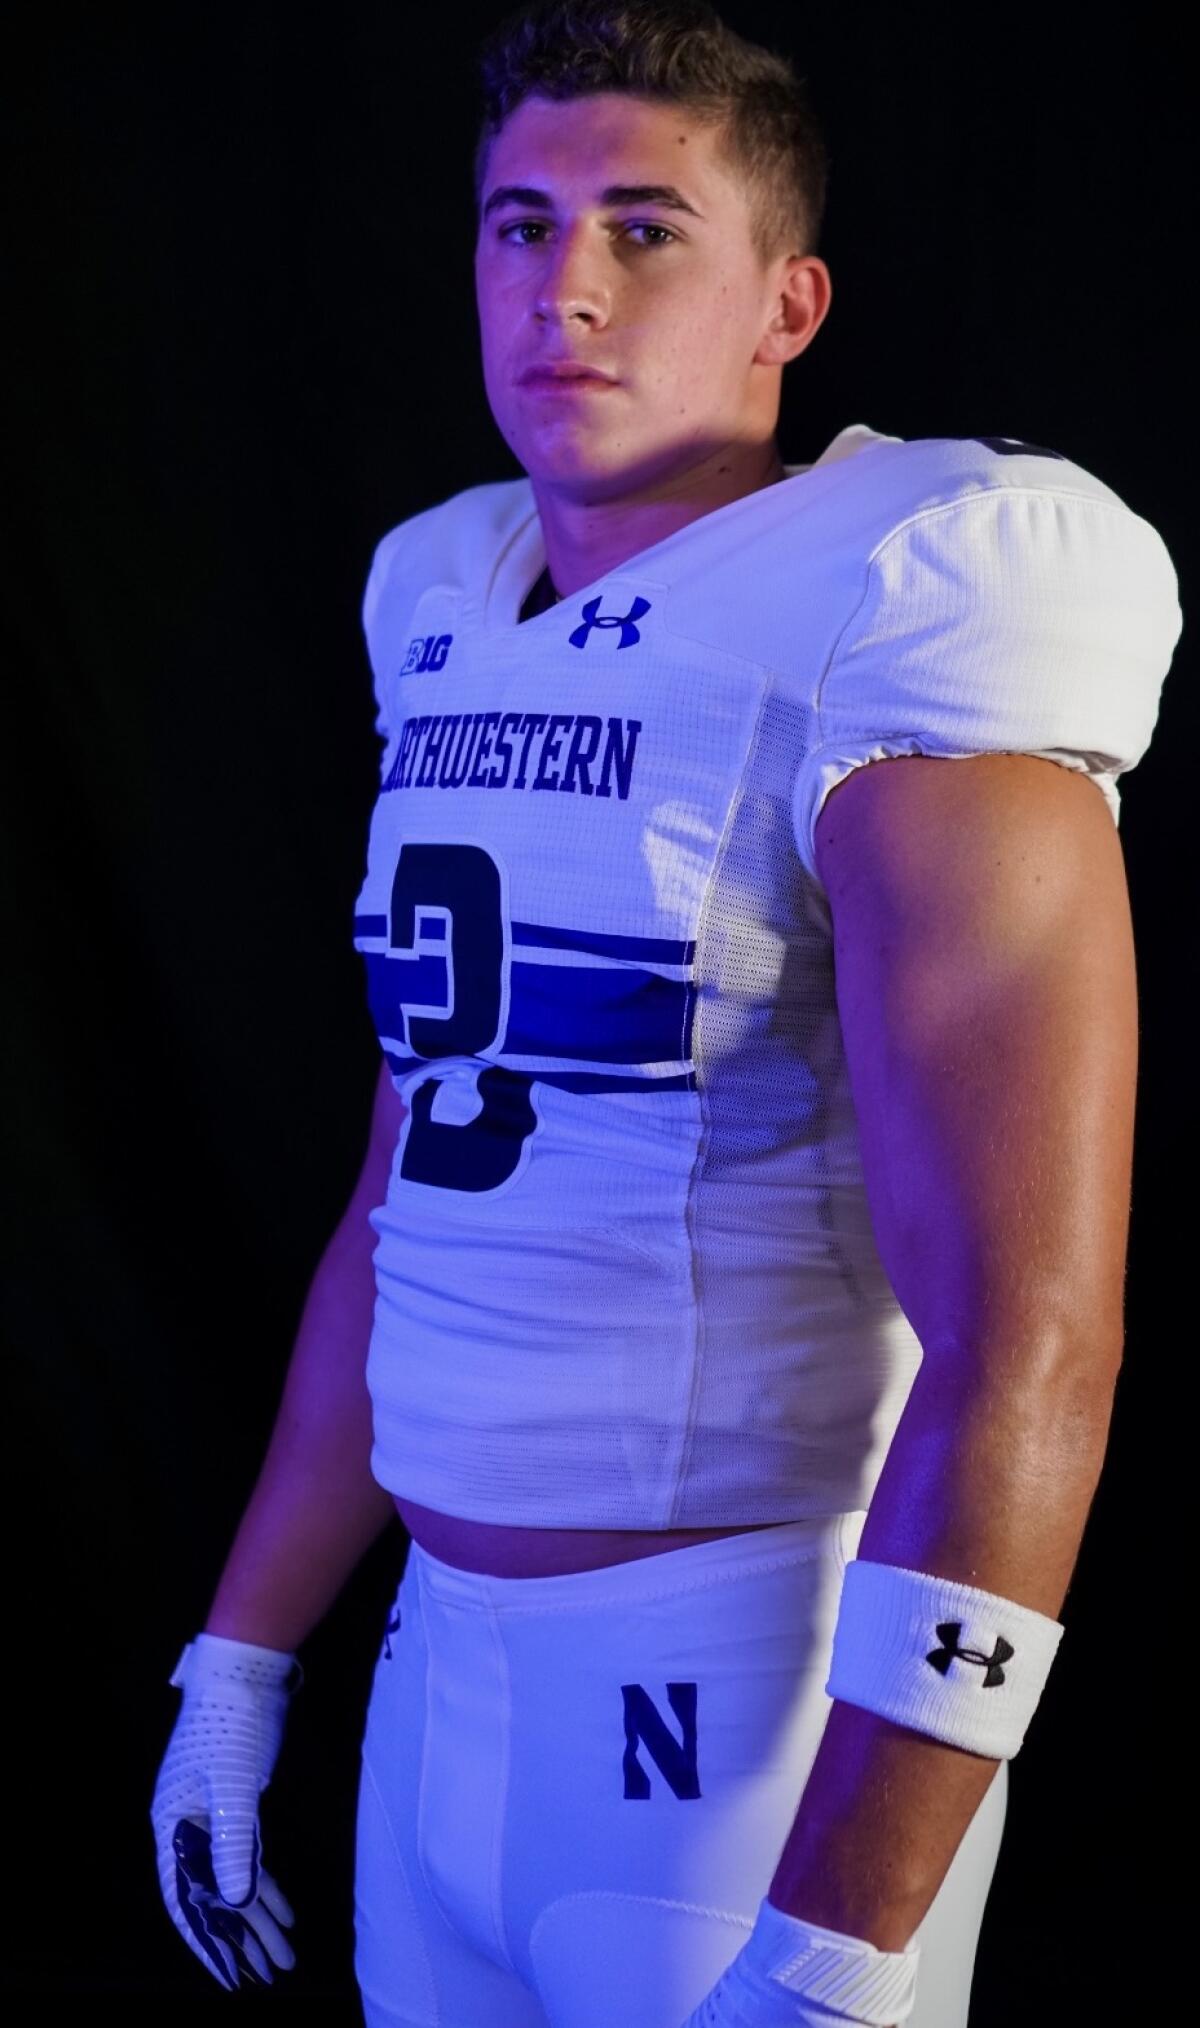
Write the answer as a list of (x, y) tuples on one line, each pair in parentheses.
[(242, 343)]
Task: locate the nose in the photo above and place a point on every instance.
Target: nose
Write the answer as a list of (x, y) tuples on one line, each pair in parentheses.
[(572, 282)]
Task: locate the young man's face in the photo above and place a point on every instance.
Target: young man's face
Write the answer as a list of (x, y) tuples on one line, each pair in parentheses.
[(671, 303)]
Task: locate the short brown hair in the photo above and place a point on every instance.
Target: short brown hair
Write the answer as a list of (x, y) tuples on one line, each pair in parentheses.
[(681, 52)]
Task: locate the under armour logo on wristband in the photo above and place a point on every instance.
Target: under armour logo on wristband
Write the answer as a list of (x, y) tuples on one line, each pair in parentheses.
[(950, 1651)]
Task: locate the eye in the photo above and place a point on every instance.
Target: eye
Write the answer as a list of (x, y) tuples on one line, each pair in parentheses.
[(521, 226), (640, 225), (651, 226)]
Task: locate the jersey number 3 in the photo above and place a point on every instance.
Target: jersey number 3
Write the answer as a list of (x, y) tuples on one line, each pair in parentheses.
[(463, 881)]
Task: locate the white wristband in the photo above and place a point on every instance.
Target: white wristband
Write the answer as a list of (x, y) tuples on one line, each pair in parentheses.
[(962, 1665), (213, 1658), (845, 1974), (794, 1974)]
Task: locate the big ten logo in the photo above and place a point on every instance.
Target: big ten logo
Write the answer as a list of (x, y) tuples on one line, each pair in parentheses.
[(427, 652)]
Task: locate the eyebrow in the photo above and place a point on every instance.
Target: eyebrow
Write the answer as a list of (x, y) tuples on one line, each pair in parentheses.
[(664, 194)]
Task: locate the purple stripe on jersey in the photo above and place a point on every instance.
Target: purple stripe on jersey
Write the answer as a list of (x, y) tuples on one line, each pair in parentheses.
[(618, 1016), (589, 1080), (652, 950), (597, 1012), (552, 937)]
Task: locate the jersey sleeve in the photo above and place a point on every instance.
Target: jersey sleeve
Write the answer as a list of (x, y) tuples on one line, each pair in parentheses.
[(379, 588), (1015, 620)]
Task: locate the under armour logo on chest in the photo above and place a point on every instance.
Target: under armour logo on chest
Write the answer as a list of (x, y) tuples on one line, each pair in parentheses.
[(626, 622), (950, 1651)]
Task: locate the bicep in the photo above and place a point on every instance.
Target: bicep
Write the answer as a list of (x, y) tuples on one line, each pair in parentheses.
[(984, 971)]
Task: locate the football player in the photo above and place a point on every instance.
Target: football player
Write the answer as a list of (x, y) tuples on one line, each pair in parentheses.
[(737, 1258)]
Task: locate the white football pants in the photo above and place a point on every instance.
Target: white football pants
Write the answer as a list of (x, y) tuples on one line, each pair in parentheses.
[(575, 1790)]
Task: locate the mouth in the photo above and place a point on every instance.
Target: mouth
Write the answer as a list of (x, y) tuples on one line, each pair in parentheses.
[(558, 373)]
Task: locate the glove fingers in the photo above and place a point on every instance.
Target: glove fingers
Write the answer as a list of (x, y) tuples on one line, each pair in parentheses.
[(220, 1932), (186, 1918), (270, 1892), (219, 1963), (236, 1847), (267, 1930), (253, 1951), (214, 1955), (229, 1933)]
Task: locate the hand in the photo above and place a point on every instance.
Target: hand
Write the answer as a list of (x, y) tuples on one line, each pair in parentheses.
[(731, 2005), (229, 1940), (787, 1970), (736, 2003), (219, 1758)]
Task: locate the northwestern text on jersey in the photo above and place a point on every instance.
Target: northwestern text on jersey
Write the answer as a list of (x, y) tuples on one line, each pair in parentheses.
[(574, 752)]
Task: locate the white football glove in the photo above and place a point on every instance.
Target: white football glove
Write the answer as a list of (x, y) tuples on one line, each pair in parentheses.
[(219, 1759), (794, 1974)]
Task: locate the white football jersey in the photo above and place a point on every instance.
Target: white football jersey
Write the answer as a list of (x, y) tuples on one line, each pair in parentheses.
[(625, 1267)]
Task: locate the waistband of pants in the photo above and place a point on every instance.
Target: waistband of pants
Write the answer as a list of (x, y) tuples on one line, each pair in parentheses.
[(642, 1577)]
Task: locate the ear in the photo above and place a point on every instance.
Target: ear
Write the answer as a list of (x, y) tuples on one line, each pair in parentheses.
[(799, 305)]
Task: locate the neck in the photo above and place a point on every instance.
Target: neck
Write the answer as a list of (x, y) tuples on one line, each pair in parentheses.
[(585, 537)]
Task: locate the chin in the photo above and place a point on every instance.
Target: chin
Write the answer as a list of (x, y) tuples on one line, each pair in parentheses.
[(590, 467)]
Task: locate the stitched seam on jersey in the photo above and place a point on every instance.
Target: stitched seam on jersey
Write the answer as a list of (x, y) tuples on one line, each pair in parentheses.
[(618, 1237), (687, 634), (699, 1334), (489, 590), (381, 569), (987, 493), (1002, 491), (382, 679)]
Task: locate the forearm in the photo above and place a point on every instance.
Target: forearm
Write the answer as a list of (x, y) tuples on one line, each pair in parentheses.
[(989, 1484), (315, 1509)]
